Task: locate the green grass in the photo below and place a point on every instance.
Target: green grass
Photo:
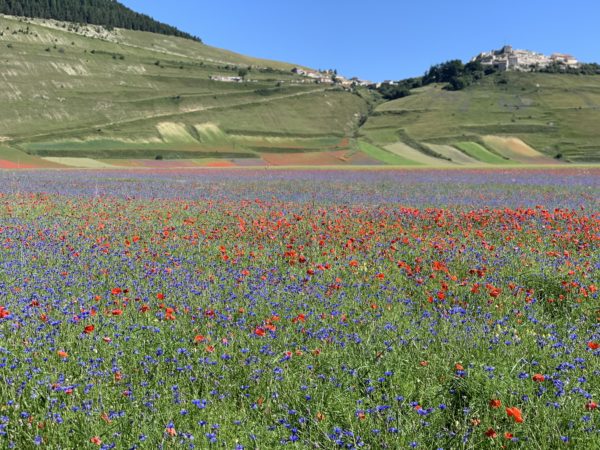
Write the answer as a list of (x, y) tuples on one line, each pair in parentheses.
[(261, 308), (62, 88), (481, 153), (384, 155), (554, 113)]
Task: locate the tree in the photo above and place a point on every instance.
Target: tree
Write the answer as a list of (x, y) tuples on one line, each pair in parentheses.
[(393, 91), (108, 13)]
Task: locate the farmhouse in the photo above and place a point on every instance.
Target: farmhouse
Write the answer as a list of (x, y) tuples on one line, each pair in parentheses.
[(226, 79)]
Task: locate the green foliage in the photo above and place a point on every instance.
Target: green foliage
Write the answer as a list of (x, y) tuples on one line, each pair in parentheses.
[(108, 13), (553, 113), (393, 91), (444, 72), (582, 69), (399, 89), (456, 74)]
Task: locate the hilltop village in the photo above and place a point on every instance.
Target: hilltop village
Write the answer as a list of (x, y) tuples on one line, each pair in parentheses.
[(507, 59)]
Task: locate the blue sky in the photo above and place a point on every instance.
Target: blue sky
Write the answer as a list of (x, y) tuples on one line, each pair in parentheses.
[(383, 39)]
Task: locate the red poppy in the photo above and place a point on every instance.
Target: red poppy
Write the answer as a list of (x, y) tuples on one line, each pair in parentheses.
[(116, 312), (515, 413), (495, 403), (259, 331), (593, 345), (116, 291), (3, 313), (199, 338), (160, 296), (88, 329), (508, 435), (96, 440), (590, 406), (62, 354), (538, 378), (171, 431), (439, 266), (494, 292), (491, 433)]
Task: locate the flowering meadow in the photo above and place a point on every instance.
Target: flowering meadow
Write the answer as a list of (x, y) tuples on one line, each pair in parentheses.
[(259, 309)]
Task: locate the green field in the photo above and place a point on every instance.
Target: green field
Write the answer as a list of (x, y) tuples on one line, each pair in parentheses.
[(113, 94), (77, 91), (556, 114), (481, 153), (385, 156), (358, 310)]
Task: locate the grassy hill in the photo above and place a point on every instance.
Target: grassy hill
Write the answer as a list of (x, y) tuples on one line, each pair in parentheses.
[(70, 90), (76, 94), (553, 114), (109, 13)]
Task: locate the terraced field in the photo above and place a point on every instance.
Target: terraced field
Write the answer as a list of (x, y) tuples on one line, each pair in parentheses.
[(77, 92), (556, 115), (74, 94)]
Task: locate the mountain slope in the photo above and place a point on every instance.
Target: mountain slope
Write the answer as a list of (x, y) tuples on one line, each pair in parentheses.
[(108, 13), (555, 114), (71, 90)]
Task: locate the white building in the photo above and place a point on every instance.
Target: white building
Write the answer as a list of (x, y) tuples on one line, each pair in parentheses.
[(508, 58)]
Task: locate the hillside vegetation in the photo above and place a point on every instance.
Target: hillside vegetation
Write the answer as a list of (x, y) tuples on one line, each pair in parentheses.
[(109, 13), (555, 114), (80, 94), (75, 91)]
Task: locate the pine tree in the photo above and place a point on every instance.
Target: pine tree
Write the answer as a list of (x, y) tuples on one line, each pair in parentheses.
[(108, 13)]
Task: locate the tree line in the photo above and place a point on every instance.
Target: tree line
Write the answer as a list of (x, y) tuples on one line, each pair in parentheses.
[(108, 13), (458, 75), (581, 69), (454, 73)]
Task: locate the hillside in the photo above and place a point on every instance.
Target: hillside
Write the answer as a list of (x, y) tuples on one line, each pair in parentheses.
[(82, 91), (519, 117), (89, 96), (108, 13)]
